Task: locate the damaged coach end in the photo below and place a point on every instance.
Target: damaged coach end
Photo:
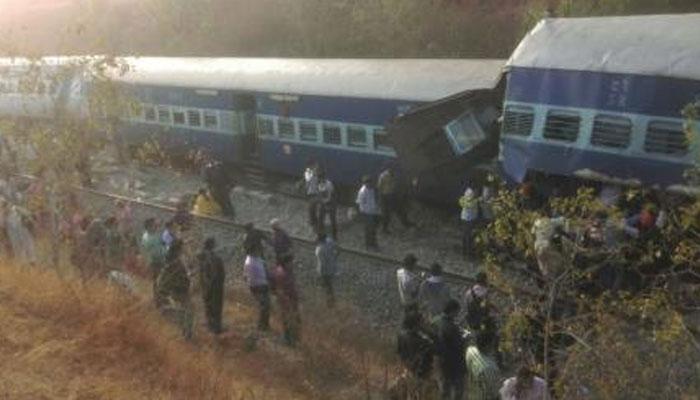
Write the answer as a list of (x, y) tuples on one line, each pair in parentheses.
[(444, 145)]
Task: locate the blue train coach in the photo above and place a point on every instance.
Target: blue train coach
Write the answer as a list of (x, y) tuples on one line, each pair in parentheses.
[(602, 99), (280, 113)]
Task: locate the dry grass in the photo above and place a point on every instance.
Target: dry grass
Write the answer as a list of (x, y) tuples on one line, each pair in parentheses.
[(62, 338)]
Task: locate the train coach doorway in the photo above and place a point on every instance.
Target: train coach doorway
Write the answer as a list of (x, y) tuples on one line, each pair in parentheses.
[(246, 106)]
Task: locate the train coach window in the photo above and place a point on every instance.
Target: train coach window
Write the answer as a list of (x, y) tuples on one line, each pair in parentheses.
[(357, 136), (611, 131), (194, 118), (381, 141), (266, 126), (331, 134), (285, 127), (308, 131), (211, 120), (164, 115), (562, 125), (464, 133), (149, 113), (178, 117), (518, 120), (665, 137)]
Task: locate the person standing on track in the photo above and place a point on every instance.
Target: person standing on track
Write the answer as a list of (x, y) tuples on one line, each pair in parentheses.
[(219, 185), (389, 199), (328, 205), (408, 281), (212, 277), (280, 241), (434, 293), (311, 190), (469, 216), (369, 211)]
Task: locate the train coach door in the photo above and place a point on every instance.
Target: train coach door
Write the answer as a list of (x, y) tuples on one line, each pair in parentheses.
[(246, 109)]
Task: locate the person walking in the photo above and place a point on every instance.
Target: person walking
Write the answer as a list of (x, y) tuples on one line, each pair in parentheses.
[(327, 265), (328, 206), (280, 241), (369, 211), (408, 281), (173, 290), (483, 374), (212, 277), (153, 251), (450, 346), (469, 217), (285, 286), (434, 294), (258, 283)]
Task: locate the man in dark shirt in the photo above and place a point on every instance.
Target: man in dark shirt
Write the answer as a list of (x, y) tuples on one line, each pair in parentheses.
[(451, 352), (212, 276), (415, 348)]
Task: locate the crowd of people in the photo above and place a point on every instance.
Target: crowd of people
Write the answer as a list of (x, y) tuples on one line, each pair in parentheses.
[(447, 343)]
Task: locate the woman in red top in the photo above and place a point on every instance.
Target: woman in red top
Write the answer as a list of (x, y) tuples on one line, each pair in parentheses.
[(287, 298)]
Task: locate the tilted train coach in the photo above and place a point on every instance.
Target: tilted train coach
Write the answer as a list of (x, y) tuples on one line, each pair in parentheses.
[(602, 99)]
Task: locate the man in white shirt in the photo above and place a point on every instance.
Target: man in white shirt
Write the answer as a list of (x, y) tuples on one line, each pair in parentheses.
[(369, 211), (408, 281), (311, 182)]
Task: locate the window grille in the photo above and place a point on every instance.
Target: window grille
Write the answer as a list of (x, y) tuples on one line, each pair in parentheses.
[(266, 126), (562, 125), (665, 138), (211, 120), (611, 131), (518, 121), (163, 115), (331, 134), (308, 131), (194, 118), (285, 127), (149, 113), (357, 136), (179, 117)]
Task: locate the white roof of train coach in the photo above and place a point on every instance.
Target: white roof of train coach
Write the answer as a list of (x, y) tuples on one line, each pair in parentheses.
[(656, 45), (400, 79)]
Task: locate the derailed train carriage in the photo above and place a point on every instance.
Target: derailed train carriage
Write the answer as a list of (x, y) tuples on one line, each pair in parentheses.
[(281, 113), (602, 99)]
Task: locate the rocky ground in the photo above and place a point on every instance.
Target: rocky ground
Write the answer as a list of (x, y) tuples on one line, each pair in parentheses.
[(435, 239)]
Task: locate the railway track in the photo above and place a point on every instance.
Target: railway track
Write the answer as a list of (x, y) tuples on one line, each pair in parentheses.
[(384, 260), (384, 265)]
